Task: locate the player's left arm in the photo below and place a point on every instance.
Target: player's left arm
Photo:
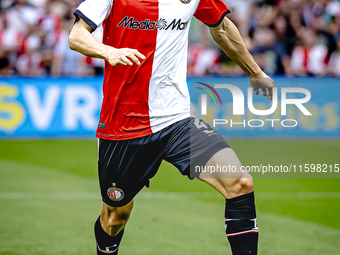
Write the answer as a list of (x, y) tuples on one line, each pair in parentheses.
[(228, 37)]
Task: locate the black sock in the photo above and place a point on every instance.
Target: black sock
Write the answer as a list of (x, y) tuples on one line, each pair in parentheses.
[(240, 224), (106, 244)]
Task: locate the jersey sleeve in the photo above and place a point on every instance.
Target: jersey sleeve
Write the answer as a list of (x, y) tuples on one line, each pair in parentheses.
[(211, 12), (94, 12)]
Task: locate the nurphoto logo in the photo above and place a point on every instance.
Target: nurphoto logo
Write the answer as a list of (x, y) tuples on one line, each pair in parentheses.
[(239, 99)]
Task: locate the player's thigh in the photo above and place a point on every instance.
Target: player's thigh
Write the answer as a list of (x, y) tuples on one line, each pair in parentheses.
[(225, 173), (125, 167), (191, 145)]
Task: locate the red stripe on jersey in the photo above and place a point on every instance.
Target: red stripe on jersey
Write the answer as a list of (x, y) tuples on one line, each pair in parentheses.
[(210, 12), (125, 107)]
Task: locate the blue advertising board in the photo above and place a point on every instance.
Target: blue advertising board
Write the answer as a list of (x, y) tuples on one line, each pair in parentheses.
[(70, 107), (48, 107), (301, 107)]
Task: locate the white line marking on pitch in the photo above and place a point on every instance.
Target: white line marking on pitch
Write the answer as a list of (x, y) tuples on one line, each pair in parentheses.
[(166, 195)]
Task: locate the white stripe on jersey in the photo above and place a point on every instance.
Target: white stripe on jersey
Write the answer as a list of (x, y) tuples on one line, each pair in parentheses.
[(169, 99)]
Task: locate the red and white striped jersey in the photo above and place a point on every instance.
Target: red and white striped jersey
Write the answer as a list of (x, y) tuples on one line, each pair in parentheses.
[(141, 100)]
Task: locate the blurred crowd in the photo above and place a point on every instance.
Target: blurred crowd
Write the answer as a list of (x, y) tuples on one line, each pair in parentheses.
[(286, 37), (34, 40)]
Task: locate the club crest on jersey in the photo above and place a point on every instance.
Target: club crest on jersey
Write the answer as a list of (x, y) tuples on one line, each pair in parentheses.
[(115, 193), (185, 1)]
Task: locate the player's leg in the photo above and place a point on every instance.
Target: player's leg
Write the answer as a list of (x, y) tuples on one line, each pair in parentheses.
[(195, 147), (109, 227), (232, 181), (124, 168), (237, 187)]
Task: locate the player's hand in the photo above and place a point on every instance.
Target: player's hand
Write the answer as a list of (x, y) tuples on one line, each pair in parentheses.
[(123, 56), (262, 82)]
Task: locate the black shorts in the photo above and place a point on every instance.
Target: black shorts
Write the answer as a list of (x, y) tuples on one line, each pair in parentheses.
[(126, 166)]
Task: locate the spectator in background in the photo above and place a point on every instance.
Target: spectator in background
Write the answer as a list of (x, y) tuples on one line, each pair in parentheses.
[(36, 56), (202, 58), (10, 43), (333, 15), (5, 68), (269, 53), (66, 61), (285, 33), (311, 56), (51, 21), (334, 62)]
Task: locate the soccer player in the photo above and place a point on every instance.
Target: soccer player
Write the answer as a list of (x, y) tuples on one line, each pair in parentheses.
[(145, 114)]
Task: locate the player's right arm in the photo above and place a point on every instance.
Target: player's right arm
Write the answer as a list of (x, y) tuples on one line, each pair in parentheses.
[(225, 34), (228, 37), (81, 40)]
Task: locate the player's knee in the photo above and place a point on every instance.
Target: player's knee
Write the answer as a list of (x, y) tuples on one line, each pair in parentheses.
[(114, 219), (243, 185), (247, 184), (117, 223)]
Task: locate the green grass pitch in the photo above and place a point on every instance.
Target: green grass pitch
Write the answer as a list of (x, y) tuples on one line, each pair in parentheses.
[(49, 200)]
